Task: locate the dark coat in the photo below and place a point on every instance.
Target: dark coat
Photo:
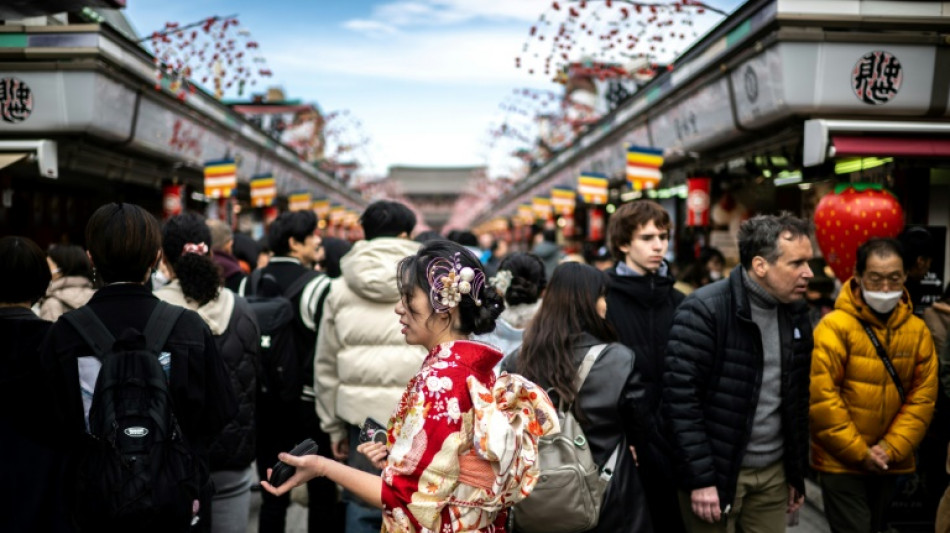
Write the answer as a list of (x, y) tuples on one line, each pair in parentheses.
[(239, 346), (611, 401), (198, 382), (712, 380), (230, 270), (32, 459)]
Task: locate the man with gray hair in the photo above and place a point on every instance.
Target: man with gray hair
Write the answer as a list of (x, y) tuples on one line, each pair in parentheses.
[(735, 388), (222, 243)]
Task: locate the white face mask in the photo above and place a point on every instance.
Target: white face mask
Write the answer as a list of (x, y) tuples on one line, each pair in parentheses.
[(715, 275), (882, 302)]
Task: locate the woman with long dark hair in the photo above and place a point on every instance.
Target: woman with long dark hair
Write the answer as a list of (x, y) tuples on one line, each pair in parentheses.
[(196, 283), (569, 325), (447, 464), (521, 280)]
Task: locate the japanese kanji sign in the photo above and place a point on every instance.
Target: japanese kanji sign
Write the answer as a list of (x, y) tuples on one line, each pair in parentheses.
[(16, 100), (877, 77)]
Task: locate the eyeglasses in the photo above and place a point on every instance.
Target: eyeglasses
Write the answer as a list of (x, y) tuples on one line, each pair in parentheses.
[(874, 281)]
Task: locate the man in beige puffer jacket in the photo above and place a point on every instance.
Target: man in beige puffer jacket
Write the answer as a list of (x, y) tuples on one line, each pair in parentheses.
[(363, 363)]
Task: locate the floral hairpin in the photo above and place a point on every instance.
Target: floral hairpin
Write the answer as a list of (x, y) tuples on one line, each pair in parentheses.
[(501, 281), (449, 281)]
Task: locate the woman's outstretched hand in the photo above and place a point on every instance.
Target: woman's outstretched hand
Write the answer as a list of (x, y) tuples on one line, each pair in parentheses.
[(375, 452), (308, 467)]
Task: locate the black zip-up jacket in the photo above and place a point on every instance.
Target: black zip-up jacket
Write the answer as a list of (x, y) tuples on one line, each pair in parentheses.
[(711, 386)]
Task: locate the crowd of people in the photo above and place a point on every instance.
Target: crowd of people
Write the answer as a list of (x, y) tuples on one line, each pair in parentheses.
[(154, 376)]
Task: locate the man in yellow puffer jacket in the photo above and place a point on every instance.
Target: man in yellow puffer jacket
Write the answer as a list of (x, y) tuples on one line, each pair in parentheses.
[(864, 429)]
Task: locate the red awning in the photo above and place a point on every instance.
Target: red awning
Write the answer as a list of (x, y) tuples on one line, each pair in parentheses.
[(849, 145)]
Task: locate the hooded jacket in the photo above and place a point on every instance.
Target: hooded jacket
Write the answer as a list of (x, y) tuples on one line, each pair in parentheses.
[(65, 294), (854, 402), (237, 337), (362, 362)]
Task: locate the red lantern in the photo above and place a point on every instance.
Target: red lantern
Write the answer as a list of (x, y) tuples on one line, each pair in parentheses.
[(697, 201), (171, 200)]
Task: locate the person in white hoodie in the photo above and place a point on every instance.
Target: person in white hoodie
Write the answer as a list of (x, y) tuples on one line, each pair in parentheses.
[(196, 284), (521, 279), (362, 362)]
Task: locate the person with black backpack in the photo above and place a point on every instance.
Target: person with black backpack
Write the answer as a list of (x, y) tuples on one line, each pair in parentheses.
[(570, 349), (287, 296), (143, 387), (196, 284)]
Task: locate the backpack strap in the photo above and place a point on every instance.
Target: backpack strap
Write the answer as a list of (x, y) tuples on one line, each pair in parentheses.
[(588, 363), (160, 325), (91, 329), (249, 285), (297, 286)]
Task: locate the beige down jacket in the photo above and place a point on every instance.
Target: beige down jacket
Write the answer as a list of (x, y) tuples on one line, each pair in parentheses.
[(363, 363)]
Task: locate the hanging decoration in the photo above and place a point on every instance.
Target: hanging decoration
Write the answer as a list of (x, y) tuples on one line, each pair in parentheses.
[(697, 201), (593, 188), (212, 53), (643, 167), (263, 190), (299, 201), (220, 178), (321, 208), (542, 208), (563, 200)]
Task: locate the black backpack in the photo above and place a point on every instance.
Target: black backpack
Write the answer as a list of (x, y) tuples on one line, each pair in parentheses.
[(136, 472), (282, 369)]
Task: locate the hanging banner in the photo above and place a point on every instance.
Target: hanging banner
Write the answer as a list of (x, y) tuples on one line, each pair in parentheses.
[(525, 214), (263, 190), (595, 224), (299, 201), (220, 178), (563, 200), (593, 188), (337, 212), (270, 214), (541, 207), (171, 200), (697, 201), (643, 167), (321, 208)]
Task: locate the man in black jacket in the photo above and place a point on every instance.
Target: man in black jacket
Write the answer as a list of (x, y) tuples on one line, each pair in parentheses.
[(736, 384), (640, 305)]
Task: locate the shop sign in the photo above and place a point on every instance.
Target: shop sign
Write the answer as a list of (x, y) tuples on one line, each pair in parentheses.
[(701, 119), (16, 100), (758, 87), (877, 77)]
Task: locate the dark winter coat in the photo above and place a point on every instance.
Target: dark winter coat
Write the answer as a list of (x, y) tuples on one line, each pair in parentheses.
[(32, 461), (611, 401), (230, 270), (711, 386)]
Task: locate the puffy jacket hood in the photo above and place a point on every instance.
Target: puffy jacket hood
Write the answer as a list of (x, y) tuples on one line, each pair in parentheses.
[(73, 291), (216, 313), (849, 301), (369, 269)]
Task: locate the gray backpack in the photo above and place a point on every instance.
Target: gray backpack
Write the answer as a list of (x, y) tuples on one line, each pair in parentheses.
[(570, 489)]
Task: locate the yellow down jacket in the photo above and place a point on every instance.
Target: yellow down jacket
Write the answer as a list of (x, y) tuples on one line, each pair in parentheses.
[(854, 402)]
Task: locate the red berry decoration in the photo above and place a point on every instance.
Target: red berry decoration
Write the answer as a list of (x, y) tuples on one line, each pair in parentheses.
[(849, 217)]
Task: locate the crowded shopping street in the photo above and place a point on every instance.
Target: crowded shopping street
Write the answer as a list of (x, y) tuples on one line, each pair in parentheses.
[(496, 266)]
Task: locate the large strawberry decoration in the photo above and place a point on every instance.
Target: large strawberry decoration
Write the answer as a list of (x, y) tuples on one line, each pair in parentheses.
[(849, 217)]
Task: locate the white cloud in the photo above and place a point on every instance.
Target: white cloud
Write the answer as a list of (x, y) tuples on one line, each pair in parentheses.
[(370, 27), (429, 13)]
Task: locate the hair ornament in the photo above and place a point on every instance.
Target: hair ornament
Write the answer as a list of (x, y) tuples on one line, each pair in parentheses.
[(501, 281), (449, 281), (192, 248)]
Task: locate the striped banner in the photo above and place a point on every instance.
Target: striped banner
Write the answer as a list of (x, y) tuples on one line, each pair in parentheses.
[(337, 212), (321, 208), (299, 201), (541, 207), (563, 200), (593, 188), (525, 214), (643, 167), (220, 178), (263, 190)]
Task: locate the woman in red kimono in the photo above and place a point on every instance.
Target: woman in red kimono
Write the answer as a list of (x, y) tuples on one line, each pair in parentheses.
[(461, 445)]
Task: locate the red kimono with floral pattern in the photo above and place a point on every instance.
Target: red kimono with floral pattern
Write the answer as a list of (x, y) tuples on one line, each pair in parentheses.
[(462, 445)]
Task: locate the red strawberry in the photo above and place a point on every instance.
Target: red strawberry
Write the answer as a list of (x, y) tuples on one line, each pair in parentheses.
[(849, 217)]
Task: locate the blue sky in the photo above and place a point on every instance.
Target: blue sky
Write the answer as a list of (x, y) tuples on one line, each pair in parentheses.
[(424, 77)]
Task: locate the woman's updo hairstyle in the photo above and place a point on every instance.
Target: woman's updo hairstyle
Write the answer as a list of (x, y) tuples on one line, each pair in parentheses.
[(478, 308), (186, 245), (527, 278)]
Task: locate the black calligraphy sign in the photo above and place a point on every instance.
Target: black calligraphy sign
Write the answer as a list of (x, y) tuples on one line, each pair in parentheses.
[(16, 100), (877, 77)]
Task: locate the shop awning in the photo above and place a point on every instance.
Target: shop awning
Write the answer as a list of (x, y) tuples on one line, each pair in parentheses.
[(847, 145), (10, 158), (838, 138)]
